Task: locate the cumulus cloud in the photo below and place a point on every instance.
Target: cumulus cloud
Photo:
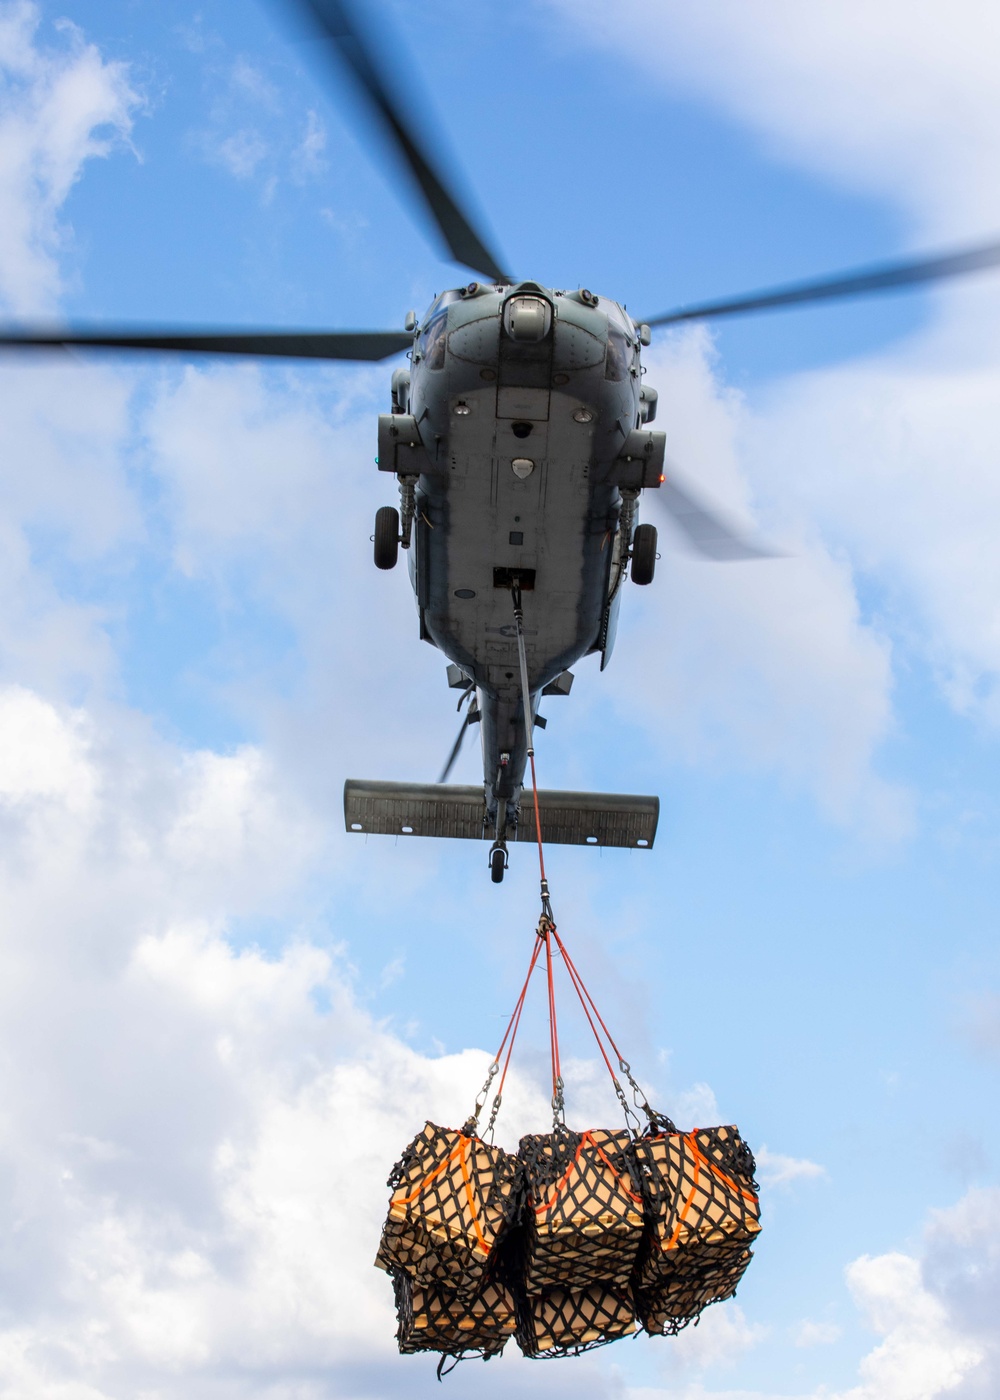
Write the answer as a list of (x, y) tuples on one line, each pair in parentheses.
[(67, 512), (61, 104), (249, 133), (817, 1334), (893, 98), (766, 663), (777, 1169), (195, 1137), (925, 1352), (886, 466), (935, 1316)]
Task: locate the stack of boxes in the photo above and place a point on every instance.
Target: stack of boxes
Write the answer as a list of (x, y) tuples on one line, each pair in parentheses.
[(582, 1228), (703, 1215), (567, 1244), (453, 1197)]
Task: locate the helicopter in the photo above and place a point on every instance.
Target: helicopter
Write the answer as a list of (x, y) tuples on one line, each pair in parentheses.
[(520, 439)]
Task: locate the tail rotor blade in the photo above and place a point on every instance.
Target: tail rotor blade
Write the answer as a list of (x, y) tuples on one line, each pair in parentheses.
[(705, 531), (472, 717), (455, 750)]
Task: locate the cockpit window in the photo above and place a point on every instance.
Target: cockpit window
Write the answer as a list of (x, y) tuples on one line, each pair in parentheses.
[(439, 303), (433, 340), (619, 359)]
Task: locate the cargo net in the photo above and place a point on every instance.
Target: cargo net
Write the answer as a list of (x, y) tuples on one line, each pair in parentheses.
[(436, 1319), (453, 1198), (579, 1239), (702, 1216)]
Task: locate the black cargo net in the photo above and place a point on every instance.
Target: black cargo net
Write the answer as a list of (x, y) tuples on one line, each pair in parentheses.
[(565, 1322), (435, 1319), (583, 1216), (703, 1215), (454, 1196)]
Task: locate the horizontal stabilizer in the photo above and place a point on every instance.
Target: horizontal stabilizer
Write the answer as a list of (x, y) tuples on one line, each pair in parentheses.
[(435, 809)]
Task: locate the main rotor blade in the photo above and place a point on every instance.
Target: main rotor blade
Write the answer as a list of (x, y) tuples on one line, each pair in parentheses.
[(464, 243), (703, 530), (295, 345), (862, 282)]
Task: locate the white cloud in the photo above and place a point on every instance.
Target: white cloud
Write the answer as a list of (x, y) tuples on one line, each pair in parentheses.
[(776, 1169), (935, 1316), (308, 159), (247, 78), (721, 1338), (694, 1107), (817, 1334), (60, 105), (882, 470), (894, 98), (901, 471), (924, 1354), (767, 664), (241, 153), (194, 1138)]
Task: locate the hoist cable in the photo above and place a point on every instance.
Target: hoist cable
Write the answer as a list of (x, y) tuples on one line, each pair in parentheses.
[(548, 935), (529, 722)]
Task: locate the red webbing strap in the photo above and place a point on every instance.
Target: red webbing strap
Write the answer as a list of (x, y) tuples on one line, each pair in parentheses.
[(581, 991), (553, 1028), (515, 1020), (546, 924)]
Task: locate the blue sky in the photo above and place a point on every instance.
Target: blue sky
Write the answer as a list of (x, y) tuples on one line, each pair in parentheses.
[(222, 1017)]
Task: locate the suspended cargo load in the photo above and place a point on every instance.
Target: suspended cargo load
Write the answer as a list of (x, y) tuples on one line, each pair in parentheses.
[(561, 1321), (566, 1244), (681, 1296), (454, 1196), (584, 1213), (436, 1319), (704, 1214)]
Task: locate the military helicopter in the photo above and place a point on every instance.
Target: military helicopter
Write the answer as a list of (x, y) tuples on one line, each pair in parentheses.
[(520, 441)]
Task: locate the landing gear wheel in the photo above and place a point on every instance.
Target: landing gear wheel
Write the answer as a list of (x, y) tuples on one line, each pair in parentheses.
[(643, 554), (498, 864), (386, 537)]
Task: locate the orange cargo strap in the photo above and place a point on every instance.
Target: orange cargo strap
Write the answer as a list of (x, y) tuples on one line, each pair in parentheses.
[(586, 1140)]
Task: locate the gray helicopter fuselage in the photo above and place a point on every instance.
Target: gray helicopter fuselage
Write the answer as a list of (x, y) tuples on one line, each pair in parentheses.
[(520, 432)]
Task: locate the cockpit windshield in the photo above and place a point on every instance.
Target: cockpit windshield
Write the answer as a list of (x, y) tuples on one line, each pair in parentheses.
[(620, 353), (433, 338), (616, 314), (439, 303)]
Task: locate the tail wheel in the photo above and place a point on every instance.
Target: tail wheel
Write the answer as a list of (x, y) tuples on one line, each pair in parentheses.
[(643, 554), (386, 537), (498, 864)]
